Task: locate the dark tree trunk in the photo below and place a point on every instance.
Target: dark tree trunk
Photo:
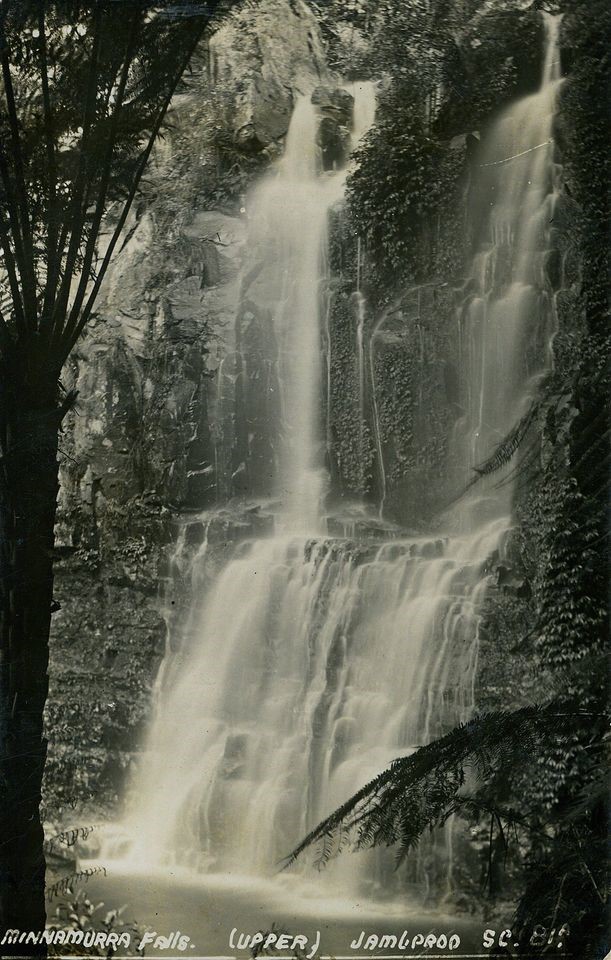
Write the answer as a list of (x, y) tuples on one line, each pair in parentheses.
[(30, 416)]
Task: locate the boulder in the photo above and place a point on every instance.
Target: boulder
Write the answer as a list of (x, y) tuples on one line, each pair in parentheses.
[(260, 62), (335, 106)]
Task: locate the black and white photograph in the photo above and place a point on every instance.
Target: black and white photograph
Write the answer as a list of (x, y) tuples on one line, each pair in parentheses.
[(304, 460)]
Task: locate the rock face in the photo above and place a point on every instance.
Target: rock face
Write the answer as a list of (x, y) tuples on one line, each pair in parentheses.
[(263, 59), (137, 449), (335, 106), (398, 455)]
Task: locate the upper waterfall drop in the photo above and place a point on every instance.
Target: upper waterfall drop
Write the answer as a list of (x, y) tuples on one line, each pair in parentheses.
[(288, 214)]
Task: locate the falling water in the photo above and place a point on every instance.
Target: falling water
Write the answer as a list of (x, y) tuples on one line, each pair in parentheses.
[(309, 662), (360, 358), (290, 215), (360, 335), (506, 320)]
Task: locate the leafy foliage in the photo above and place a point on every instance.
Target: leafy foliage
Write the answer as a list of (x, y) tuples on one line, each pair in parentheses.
[(571, 564), (585, 31), (446, 69), (425, 788), (78, 913), (402, 175)]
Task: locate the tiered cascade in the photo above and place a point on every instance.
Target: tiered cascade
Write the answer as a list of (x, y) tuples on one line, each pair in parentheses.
[(309, 661)]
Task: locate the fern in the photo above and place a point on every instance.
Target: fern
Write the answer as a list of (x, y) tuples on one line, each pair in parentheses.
[(503, 453), (521, 472), (505, 450), (424, 789)]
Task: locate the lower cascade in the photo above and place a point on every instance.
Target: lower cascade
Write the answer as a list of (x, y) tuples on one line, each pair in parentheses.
[(316, 653)]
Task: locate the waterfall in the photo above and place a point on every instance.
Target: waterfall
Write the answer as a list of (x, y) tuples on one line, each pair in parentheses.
[(290, 214), (507, 318), (308, 661), (360, 359)]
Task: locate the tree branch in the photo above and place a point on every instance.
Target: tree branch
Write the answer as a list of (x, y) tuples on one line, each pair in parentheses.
[(13, 229), (65, 344), (75, 219), (104, 183), (11, 271), (26, 263), (6, 341), (53, 251)]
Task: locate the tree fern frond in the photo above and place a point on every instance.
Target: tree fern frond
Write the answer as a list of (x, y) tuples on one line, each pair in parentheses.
[(592, 795), (503, 453), (508, 445), (522, 467), (419, 791)]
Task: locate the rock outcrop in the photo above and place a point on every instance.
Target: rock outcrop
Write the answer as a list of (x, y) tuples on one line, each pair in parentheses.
[(262, 59), (335, 107)]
